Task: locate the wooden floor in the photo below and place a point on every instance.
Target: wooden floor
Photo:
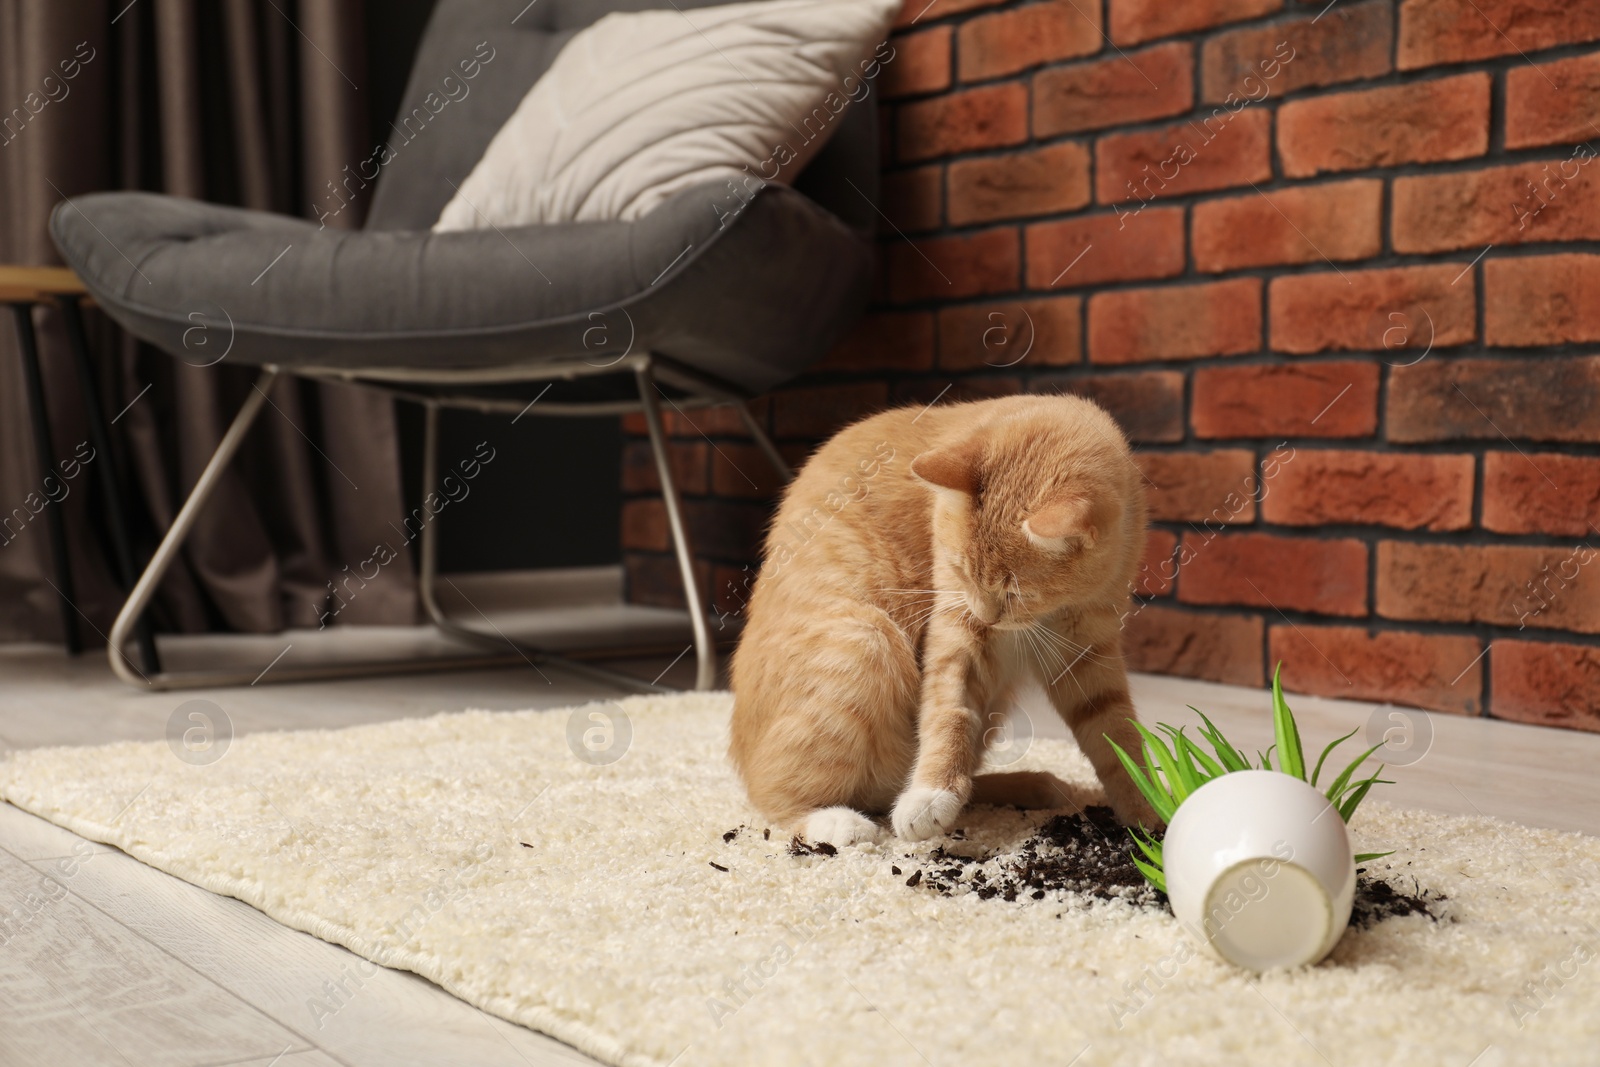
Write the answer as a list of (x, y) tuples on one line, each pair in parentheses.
[(104, 960)]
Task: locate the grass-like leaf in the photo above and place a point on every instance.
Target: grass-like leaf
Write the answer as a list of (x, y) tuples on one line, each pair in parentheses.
[(1229, 756), (1188, 772), (1291, 759), (1359, 793), (1171, 773), (1190, 749), (1331, 746), (1160, 757), (1149, 846), (1341, 783), (1161, 800), (1152, 874)]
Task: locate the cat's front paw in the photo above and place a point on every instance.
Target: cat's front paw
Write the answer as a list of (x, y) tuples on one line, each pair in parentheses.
[(839, 827), (920, 813)]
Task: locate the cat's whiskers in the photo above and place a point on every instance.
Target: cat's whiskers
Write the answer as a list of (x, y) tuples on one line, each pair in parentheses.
[(1034, 635), (927, 614), (927, 604), (1039, 649), (1081, 651)]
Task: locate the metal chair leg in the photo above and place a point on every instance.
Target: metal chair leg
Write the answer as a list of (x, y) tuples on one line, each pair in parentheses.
[(144, 589), (764, 442), (106, 472), (27, 344), (705, 651), (428, 576)]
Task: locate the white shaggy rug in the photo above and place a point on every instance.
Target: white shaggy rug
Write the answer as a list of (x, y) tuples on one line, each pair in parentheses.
[(606, 904)]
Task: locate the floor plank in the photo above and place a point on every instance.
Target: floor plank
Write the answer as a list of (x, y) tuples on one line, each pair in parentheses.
[(355, 1010), (76, 986)]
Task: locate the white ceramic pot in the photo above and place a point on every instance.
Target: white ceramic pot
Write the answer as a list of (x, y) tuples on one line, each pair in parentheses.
[(1259, 866)]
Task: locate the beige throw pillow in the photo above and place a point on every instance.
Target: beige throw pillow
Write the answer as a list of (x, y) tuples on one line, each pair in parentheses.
[(641, 105)]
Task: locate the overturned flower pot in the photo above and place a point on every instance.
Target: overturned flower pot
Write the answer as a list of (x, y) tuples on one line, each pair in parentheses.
[(1259, 866), (1256, 860)]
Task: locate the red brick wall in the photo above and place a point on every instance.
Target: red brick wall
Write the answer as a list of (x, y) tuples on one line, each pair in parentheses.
[(1331, 267)]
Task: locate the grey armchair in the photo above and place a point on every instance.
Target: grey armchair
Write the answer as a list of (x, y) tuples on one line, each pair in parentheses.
[(717, 295)]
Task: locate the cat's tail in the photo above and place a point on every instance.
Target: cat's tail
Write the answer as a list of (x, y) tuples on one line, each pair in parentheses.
[(1032, 789)]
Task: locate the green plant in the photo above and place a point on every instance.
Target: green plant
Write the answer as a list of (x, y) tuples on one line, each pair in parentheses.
[(1171, 773)]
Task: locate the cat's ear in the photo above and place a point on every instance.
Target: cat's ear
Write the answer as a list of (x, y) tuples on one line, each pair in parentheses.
[(949, 468), (1059, 523)]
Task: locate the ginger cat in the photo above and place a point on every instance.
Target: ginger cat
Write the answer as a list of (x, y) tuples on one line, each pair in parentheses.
[(922, 565)]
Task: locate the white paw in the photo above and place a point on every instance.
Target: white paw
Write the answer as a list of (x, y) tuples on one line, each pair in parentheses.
[(839, 827), (920, 813)]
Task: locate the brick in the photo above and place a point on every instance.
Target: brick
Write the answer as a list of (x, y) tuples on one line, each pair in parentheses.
[(1428, 122), (991, 117), (1041, 181), (653, 579), (1349, 43), (1214, 647), (945, 268), (1455, 31), (1327, 576), (992, 46), (1106, 248), (914, 199), (1553, 103), (921, 64), (1556, 399), (1286, 400), (743, 472), (1557, 200), (1022, 333), (1505, 585), (1190, 157), (689, 463), (923, 392), (720, 420), (1438, 672), (924, 11), (726, 529), (644, 525), (1541, 493), (1137, 21), (1547, 683), (1157, 569), (1541, 300), (1148, 406), (1150, 84), (1373, 310), (818, 411), (1213, 487), (1175, 322), (885, 340), (1308, 224), (1410, 492)]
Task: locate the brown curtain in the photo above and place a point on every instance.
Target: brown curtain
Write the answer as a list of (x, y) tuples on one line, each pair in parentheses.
[(250, 102)]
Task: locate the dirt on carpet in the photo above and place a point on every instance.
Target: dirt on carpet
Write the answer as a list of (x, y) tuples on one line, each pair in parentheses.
[(1088, 854)]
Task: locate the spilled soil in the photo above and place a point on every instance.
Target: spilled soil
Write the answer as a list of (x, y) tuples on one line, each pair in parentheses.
[(1377, 900), (1086, 854), (1089, 854)]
